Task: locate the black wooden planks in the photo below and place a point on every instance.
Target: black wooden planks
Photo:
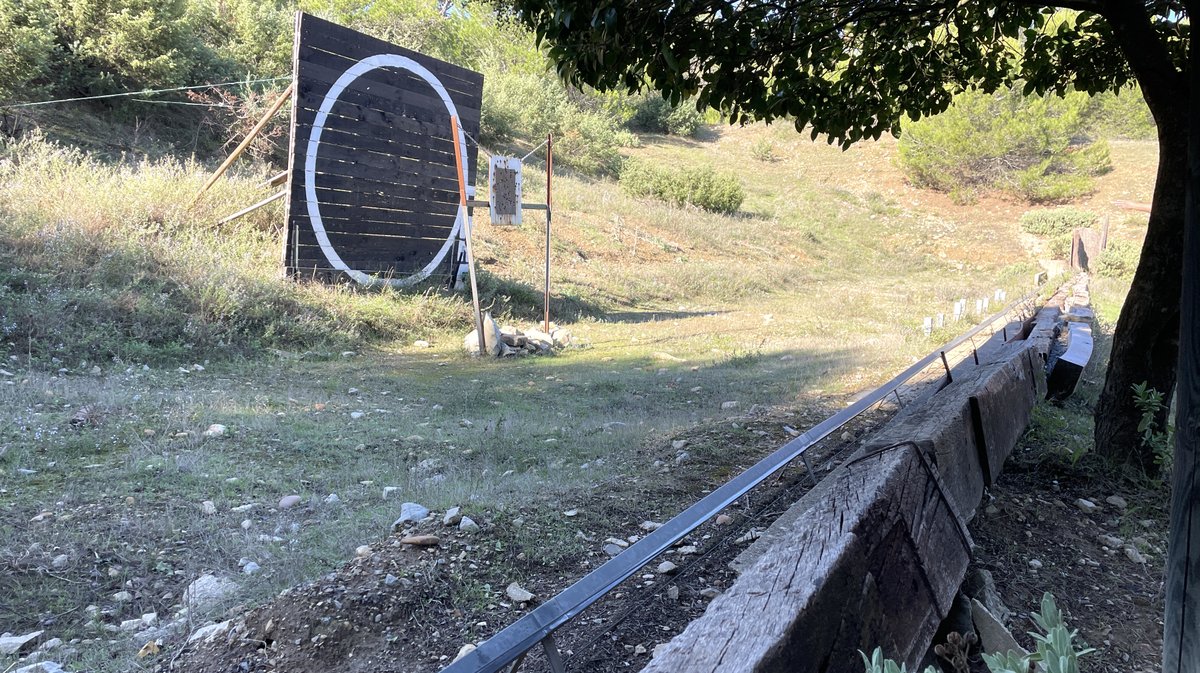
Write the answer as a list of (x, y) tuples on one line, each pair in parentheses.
[(384, 174)]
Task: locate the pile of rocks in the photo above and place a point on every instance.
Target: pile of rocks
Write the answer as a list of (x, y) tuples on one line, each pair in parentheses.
[(508, 341)]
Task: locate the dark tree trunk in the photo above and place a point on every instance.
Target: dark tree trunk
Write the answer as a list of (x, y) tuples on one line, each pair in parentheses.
[(1145, 342), (1181, 621)]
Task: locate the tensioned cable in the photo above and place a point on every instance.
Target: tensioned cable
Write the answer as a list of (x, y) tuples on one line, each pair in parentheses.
[(143, 92)]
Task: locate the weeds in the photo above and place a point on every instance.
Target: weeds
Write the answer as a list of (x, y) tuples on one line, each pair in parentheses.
[(1160, 441)]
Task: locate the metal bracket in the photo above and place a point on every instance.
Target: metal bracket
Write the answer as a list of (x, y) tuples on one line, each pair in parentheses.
[(552, 654)]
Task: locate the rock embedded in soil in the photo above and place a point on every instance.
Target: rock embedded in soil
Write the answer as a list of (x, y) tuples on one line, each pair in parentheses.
[(122, 597), (679, 444), (1035, 564), (410, 512), (251, 568), (215, 430), (363, 551), (468, 525), (61, 561), (517, 594), (612, 549), (1117, 501), (650, 526), (207, 591), (1110, 541), (463, 651), (731, 404), (1134, 555), (666, 568), (41, 667), (723, 519), (673, 592), (208, 507), (289, 501), (11, 645), (1086, 506), (421, 540), (453, 516)]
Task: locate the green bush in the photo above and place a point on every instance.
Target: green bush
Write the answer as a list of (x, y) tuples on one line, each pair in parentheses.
[(1118, 260), (654, 114), (527, 105), (1059, 247), (701, 187), (763, 150), (1029, 146), (1121, 114), (1056, 221)]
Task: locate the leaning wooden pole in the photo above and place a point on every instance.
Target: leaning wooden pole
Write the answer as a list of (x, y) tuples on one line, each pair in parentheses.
[(467, 234), (1181, 621), (549, 214), (262, 123)]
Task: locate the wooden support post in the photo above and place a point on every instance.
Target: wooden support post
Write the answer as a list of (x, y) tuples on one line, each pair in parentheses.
[(262, 123), (459, 159), (549, 211), (249, 209)]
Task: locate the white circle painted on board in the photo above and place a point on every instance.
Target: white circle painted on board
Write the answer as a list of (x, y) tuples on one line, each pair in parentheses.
[(310, 164)]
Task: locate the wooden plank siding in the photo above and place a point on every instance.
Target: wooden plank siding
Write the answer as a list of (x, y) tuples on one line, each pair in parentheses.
[(385, 178)]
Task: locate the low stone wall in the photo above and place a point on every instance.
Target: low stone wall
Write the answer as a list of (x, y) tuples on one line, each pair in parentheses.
[(874, 555)]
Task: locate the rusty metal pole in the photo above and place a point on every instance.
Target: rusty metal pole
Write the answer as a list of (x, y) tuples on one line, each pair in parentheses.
[(549, 211)]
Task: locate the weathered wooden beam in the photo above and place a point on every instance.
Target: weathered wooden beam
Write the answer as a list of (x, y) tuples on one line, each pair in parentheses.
[(250, 209), (262, 123), (876, 561)]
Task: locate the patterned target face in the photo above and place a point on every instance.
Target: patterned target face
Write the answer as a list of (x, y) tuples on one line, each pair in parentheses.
[(374, 187)]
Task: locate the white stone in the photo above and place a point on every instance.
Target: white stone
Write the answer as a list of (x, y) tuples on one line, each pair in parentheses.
[(659, 649), (649, 526), (1134, 555), (1035, 564), (410, 512), (453, 516), (421, 343), (355, 415), (41, 667), (389, 490), (60, 561), (215, 430), (639, 649), (289, 501), (207, 591), (1086, 506), (731, 404), (679, 444), (992, 634), (517, 594), (208, 507), (11, 645), (332, 499), (467, 525), (1117, 501), (666, 568), (363, 551), (122, 597), (209, 633), (463, 651), (251, 568)]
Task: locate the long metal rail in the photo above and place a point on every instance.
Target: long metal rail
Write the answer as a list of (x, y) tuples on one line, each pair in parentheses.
[(509, 647)]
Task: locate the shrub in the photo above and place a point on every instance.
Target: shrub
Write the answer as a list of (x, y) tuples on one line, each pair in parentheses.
[(763, 150), (1029, 146), (654, 114), (1118, 260), (1059, 247), (701, 187), (1056, 221), (528, 105), (1121, 114)]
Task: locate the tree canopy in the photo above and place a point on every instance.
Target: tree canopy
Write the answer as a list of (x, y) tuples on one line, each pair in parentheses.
[(850, 69)]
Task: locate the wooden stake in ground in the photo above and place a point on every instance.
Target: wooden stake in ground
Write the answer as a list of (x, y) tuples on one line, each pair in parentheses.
[(549, 211), (467, 234), (262, 123)]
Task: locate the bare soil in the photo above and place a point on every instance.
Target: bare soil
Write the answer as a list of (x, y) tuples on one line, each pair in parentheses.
[(442, 597)]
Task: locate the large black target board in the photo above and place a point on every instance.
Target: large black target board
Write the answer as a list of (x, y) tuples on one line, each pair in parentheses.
[(373, 188)]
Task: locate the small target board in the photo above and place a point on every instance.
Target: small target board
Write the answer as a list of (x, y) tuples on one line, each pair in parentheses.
[(504, 196), (373, 193)]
